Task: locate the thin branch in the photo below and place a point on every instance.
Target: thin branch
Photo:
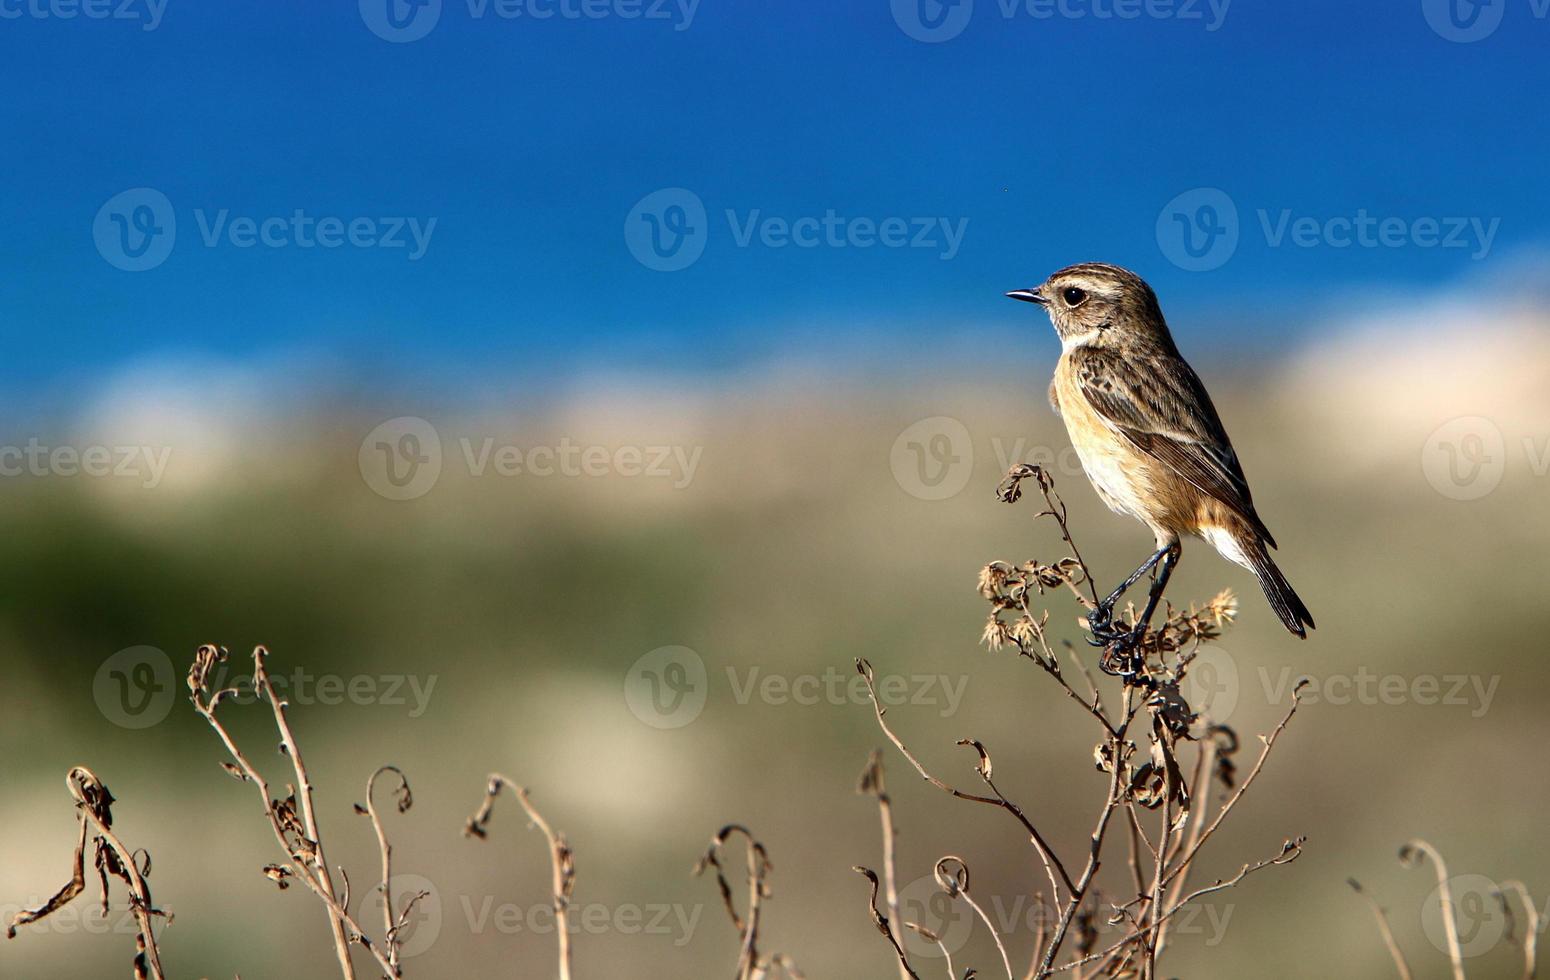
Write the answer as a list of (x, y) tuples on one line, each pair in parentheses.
[(1410, 855), (873, 784), (94, 804), (289, 829), (1531, 932), (391, 927), (884, 924), (864, 668), (562, 859), (1400, 966), (956, 884)]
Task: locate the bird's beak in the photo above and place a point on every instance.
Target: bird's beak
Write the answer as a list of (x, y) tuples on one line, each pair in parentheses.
[(1029, 296)]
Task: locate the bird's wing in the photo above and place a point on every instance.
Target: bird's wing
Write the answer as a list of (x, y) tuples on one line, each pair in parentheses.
[(1160, 406)]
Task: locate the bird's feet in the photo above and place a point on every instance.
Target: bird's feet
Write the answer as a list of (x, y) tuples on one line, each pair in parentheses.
[(1121, 646), (1100, 623)]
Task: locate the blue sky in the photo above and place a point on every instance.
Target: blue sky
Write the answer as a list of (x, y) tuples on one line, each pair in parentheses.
[(1017, 145)]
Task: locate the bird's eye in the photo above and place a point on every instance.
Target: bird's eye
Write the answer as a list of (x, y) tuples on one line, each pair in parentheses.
[(1073, 296)]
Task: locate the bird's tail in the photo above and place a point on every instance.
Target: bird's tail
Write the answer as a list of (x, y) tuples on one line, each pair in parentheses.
[(1283, 599)]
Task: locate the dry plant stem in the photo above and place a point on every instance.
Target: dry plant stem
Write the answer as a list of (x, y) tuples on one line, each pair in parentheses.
[(885, 925), (562, 859), (1290, 851), (308, 814), (391, 926), (750, 966), (864, 668), (302, 852), (1259, 764), (1400, 966), (874, 783), (1411, 855), (1111, 803), (956, 885), (93, 802), (1530, 934), (1205, 765)]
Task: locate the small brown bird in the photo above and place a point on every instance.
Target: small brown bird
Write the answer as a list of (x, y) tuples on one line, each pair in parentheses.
[(1149, 437)]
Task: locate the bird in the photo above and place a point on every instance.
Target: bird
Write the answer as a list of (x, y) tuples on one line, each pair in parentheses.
[(1149, 438)]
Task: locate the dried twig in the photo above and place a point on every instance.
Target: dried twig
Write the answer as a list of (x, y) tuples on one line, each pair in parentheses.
[(1402, 967), (293, 821), (750, 965), (392, 925), (110, 858), (1530, 928), (885, 925), (872, 783), (1410, 855), (561, 858), (1145, 770)]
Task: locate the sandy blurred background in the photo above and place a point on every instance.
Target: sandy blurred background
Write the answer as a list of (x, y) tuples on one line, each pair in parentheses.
[(499, 623)]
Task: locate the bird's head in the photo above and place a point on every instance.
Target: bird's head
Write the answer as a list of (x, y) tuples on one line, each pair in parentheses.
[(1096, 304)]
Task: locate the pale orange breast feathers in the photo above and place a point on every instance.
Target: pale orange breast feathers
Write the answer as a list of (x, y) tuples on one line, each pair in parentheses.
[(1127, 480)]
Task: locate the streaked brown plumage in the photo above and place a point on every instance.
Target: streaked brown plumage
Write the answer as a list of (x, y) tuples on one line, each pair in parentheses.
[(1145, 430)]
